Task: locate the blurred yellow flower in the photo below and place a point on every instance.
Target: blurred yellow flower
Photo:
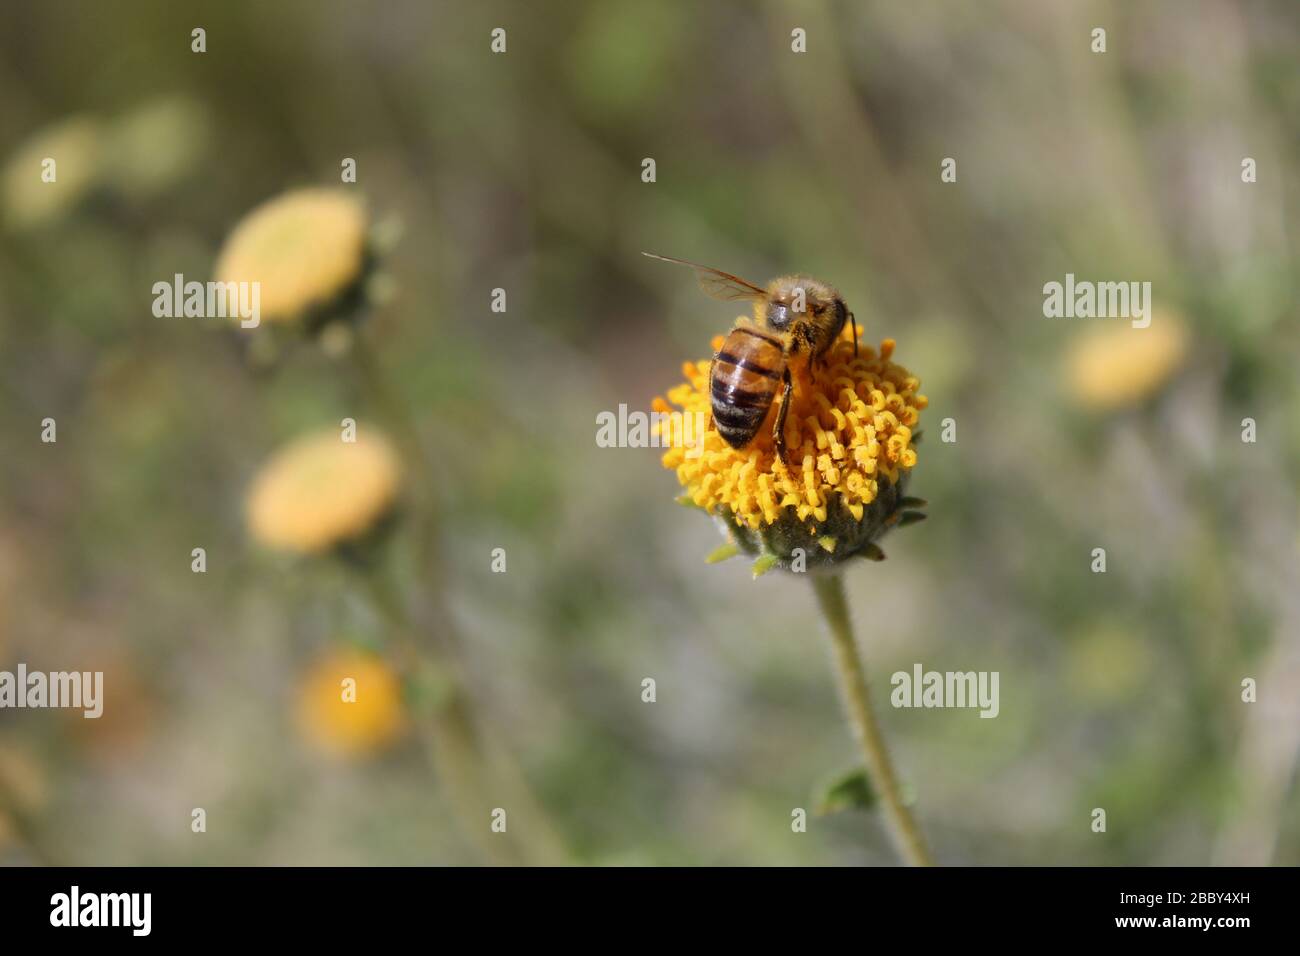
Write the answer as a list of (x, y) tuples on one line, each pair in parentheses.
[(306, 249), (350, 703), (1118, 366), (849, 435), (154, 145), (321, 491), (76, 146)]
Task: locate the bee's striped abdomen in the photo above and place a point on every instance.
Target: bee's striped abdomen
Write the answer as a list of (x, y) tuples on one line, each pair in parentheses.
[(745, 377)]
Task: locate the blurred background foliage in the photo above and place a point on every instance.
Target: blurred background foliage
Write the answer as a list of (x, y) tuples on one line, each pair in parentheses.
[(522, 171)]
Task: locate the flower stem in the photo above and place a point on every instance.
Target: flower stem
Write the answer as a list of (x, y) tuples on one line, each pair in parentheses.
[(459, 738), (445, 734), (856, 696), (393, 410), (476, 777)]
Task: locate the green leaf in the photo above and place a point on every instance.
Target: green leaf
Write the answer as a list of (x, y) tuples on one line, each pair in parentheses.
[(722, 552), (849, 791), (911, 517), (909, 501), (764, 563), (872, 552)]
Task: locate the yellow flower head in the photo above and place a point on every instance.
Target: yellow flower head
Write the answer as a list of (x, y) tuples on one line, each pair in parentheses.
[(849, 436), (156, 144), (1119, 366), (321, 492), (76, 145), (350, 704), (307, 249)]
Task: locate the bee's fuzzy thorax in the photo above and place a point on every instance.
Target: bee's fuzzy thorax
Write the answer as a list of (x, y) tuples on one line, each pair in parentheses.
[(785, 285)]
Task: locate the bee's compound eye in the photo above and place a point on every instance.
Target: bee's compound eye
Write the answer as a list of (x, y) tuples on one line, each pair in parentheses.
[(778, 315)]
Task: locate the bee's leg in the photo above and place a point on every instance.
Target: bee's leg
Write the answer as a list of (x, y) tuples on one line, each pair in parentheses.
[(778, 430), (854, 322), (812, 356)]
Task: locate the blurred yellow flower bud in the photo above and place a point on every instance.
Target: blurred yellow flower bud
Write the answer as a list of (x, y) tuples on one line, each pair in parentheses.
[(349, 703), (306, 249), (322, 491), (35, 192), (1117, 366)]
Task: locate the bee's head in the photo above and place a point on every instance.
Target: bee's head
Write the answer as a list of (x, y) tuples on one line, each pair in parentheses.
[(791, 298)]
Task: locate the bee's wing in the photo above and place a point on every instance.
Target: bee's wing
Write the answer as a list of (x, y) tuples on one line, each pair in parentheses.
[(716, 283)]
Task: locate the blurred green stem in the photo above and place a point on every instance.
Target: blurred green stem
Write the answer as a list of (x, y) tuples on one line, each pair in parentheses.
[(902, 826), (475, 783), (449, 740), (479, 775), (390, 406)]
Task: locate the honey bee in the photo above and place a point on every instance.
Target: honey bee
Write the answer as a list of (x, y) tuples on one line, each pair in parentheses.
[(794, 315)]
